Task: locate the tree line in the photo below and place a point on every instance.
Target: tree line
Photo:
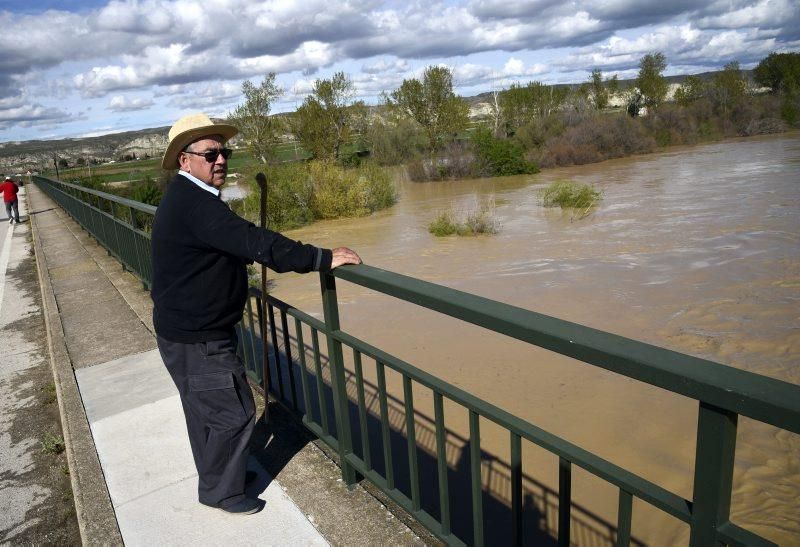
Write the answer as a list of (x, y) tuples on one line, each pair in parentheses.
[(424, 116), (425, 126)]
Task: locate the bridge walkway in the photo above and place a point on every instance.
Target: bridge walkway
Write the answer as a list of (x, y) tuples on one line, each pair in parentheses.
[(130, 462)]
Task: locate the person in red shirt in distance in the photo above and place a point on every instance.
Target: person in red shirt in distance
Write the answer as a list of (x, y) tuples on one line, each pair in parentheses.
[(10, 189)]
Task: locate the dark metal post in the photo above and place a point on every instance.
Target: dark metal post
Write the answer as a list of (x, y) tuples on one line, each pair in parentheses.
[(336, 360), (713, 473), (262, 184)]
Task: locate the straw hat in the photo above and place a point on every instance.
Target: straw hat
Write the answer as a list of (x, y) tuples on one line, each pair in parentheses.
[(187, 130)]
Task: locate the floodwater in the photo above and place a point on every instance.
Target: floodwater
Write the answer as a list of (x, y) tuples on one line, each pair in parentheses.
[(696, 249)]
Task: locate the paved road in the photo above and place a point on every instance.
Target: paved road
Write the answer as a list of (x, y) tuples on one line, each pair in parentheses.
[(36, 503)]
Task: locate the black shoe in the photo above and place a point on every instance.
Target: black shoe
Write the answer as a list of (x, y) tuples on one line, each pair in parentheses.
[(247, 506)]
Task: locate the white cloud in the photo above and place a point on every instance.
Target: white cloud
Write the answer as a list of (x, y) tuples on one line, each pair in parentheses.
[(162, 48), (120, 103)]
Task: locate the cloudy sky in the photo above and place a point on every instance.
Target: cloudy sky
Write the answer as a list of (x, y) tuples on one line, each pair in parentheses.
[(88, 67)]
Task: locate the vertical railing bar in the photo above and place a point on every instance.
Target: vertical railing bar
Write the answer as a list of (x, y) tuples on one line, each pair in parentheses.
[(564, 501), (362, 410), (441, 463), (264, 356), (252, 335), (301, 350), (624, 518), (713, 473), (516, 488), (475, 475), (341, 404), (411, 441), (275, 349), (323, 409), (287, 349), (385, 431)]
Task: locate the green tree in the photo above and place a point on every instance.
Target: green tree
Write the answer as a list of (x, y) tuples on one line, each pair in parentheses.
[(325, 119), (728, 87), (780, 72), (651, 82), (259, 131), (520, 104), (692, 89), (598, 90), (433, 104)]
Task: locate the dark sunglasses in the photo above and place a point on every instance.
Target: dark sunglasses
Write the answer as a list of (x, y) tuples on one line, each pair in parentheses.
[(212, 155)]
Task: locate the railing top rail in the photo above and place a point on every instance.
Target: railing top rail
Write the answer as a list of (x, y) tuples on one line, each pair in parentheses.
[(151, 209), (762, 398)]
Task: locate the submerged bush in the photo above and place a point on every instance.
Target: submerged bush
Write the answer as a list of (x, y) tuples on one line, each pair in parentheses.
[(342, 192), (476, 221), (571, 195), (454, 162), (299, 193), (443, 225)]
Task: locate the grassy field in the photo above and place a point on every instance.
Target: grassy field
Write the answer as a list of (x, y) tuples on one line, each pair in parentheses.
[(141, 169)]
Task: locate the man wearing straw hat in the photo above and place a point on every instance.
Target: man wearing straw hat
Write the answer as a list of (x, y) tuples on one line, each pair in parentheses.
[(200, 250)]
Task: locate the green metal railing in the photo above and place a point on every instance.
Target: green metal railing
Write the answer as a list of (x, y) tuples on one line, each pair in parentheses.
[(120, 225), (722, 394)]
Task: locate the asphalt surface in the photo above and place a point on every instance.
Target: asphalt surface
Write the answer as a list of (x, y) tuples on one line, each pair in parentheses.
[(35, 494), (129, 462)]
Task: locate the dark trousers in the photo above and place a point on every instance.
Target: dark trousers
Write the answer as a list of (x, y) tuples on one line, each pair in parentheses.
[(15, 206), (219, 410)]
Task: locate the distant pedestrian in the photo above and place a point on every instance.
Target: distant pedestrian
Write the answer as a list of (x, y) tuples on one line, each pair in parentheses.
[(10, 189), (200, 251)]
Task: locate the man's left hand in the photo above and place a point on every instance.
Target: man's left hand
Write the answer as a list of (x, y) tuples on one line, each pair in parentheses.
[(343, 255)]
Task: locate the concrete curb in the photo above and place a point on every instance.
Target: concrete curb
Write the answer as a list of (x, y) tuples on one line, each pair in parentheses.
[(96, 519)]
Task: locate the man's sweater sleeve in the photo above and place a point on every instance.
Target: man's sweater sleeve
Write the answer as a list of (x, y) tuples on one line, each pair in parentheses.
[(217, 226)]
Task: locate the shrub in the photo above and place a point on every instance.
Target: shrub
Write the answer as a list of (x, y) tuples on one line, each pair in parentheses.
[(455, 161), (443, 225), (476, 221), (598, 138), (498, 157), (146, 191), (342, 192), (299, 193), (571, 195), (395, 143), (288, 196), (538, 131)]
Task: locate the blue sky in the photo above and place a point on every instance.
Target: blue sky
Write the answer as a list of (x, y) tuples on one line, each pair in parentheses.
[(89, 67)]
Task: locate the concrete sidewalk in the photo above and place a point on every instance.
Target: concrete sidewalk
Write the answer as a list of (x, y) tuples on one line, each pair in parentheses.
[(130, 461), (139, 430)]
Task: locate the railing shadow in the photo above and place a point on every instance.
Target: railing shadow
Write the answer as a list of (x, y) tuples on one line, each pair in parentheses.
[(540, 502)]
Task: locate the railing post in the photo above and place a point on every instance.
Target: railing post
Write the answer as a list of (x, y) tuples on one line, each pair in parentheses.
[(713, 473), (336, 361)]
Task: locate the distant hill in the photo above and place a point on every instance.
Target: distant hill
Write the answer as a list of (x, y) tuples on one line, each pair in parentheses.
[(34, 155)]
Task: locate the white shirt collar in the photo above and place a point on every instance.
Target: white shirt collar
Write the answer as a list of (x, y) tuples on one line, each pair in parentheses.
[(200, 183)]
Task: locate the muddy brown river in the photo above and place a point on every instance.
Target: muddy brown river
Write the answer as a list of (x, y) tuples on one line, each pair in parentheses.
[(696, 249)]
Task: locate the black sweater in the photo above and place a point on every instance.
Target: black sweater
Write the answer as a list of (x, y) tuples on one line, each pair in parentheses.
[(200, 252)]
